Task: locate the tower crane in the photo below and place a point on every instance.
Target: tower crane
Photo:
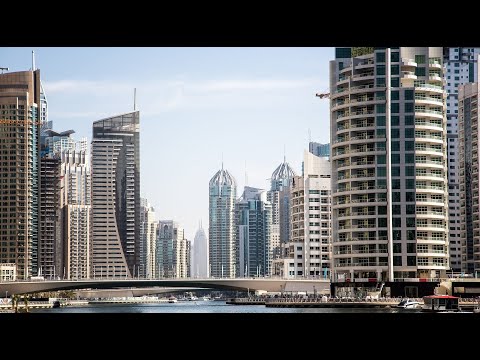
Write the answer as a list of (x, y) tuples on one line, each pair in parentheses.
[(324, 95)]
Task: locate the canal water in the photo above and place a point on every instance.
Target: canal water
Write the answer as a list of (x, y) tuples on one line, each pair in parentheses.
[(201, 307)]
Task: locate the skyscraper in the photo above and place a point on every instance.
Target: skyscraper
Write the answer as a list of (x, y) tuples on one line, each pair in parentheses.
[(469, 161), (77, 184), (461, 66), (317, 149), (389, 169), (279, 197), (148, 235), (222, 249), (173, 251), (200, 254), (19, 170), (253, 218), (116, 196)]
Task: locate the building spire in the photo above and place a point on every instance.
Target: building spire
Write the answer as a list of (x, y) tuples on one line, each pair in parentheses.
[(222, 160), (284, 156), (33, 60), (134, 99)]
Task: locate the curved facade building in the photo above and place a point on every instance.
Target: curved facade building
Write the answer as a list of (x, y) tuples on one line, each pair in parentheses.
[(116, 196), (389, 169), (221, 245)]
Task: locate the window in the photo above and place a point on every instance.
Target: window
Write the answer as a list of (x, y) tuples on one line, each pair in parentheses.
[(380, 69), (396, 197), (397, 261), (395, 95), (395, 120), (395, 108), (395, 183), (395, 158), (408, 94), (380, 120), (395, 69), (395, 56), (420, 71), (395, 171), (396, 209), (409, 183), (409, 145), (397, 222), (411, 261), (410, 222), (380, 57), (380, 108), (395, 145), (381, 171), (395, 133), (420, 59), (409, 171), (408, 107), (380, 82), (409, 133), (409, 196), (395, 82), (381, 159), (397, 248)]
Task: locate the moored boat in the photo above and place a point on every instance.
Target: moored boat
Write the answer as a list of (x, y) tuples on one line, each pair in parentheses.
[(408, 304)]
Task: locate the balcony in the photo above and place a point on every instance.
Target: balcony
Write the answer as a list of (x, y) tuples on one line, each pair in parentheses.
[(409, 75), (408, 63)]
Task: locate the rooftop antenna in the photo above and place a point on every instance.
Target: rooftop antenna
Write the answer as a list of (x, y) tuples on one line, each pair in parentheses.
[(284, 156), (222, 160), (33, 60), (134, 99), (309, 136)]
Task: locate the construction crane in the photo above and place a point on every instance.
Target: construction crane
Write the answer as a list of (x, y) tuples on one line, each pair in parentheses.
[(324, 95)]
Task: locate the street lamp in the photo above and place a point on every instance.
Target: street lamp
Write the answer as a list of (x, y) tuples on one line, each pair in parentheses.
[(6, 294)]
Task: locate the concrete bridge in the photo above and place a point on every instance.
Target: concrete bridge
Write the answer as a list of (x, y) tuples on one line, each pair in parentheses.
[(239, 284)]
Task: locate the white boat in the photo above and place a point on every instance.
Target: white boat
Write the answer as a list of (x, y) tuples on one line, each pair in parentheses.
[(408, 304), (172, 299)]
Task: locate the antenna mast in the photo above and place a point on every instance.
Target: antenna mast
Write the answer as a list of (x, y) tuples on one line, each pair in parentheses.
[(134, 99)]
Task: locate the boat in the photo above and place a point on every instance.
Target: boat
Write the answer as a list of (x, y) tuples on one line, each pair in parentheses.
[(172, 299), (408, 304), (441, 303)]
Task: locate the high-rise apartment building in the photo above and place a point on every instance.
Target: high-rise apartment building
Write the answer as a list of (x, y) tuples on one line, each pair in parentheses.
[(77, 187), (469, 177), (389, 168), (116, 196), (461, 67), (148, 235), (173, 251), (221, 244), (19, 170), (199, 267), (309, 248), (253, 219)]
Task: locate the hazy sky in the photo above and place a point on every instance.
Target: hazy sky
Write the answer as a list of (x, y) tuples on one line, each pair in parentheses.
[(195, 105)]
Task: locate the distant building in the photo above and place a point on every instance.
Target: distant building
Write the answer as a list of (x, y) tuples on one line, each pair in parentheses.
[(172, 251), (148, 243), (317, 149), (222, 251), (253, 220), (279, 197), (461, 67), (199, 267), (469, 161), (116, 196)]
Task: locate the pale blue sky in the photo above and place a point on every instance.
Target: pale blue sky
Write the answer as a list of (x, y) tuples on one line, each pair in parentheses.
[(195, 104)]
